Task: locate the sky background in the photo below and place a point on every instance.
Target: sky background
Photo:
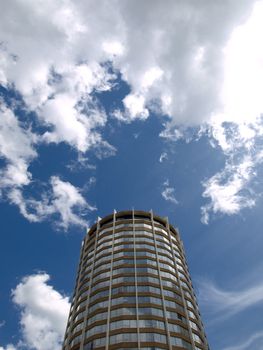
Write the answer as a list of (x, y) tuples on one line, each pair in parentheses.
[(130, 104)]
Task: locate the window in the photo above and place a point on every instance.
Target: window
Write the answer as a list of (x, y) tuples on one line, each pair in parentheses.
[(143, 311), (96, 330), (123, 300), (153, 337), (123, 338), (152, 300), (123, 324), (151, 324), (123, 311), (95, 343), (180, 342), (97, 317)]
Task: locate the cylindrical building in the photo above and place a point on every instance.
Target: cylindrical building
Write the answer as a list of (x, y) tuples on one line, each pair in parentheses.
[(133, 288)]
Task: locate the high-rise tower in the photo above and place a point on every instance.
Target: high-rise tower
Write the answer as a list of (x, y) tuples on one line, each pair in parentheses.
[(133, 288)]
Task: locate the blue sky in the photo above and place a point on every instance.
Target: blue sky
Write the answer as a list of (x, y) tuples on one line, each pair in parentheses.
[(130, 104)]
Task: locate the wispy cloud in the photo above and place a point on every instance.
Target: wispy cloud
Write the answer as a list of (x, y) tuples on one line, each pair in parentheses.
[(168, 193), (255, 342), (221, 304)]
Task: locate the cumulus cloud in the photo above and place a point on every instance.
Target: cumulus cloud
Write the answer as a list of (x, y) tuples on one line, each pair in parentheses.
[(63, 203), (230, 190), (196, 64), (8, 347), (172, 53), (18, 150), (226, 190), (16, 147), (43, 314), (168, 193)]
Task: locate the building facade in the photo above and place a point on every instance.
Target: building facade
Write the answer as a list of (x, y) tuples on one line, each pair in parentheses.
[(133, 289)]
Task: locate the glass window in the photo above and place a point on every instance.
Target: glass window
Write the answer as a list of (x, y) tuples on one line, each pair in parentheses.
[(180, 342), (123, 270), (123, 261), (108, 229), (98, 305), (123, 300), (123, 279), (167, 275), (123, 289), (173, 304), (146, 270), (101, 276), (166, 258), (161, 238), (171, 294), (145, 262), (77, 328), (175, 316), (167, 267), (178, 329), (123, 311), (147, 299), (81, 305), (150, 279), (125, 239), (148, 289), (190, 304), (153, 337), (143, 311), (145, 246), (75, 341), (103, 252), (191, 314), (123, 324), (151, 324), (101, 294), (83, 294), (96, 330), (97, 317), (197, 338), (194, 325), (144, 240), (95, 343), (185, 285), (123, 338)]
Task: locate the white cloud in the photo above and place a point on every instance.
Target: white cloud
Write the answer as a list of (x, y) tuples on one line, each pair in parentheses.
[(8, 347), (16, 147), (197, 64), (63, 200), (168, 193), (223, 304), (255, 342), (163, 156), (220, 304), (226, 190), (173, 53), (134, 108), (243, 76), (231, 189), (44, 313)]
